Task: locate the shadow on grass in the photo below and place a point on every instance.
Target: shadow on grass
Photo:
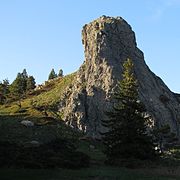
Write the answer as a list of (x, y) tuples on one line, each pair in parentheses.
[(44, 130), (93, 173)]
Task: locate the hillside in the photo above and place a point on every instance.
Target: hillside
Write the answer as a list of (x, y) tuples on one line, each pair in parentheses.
[(38, 138), (47, 127), (57, 125), (48, 94)]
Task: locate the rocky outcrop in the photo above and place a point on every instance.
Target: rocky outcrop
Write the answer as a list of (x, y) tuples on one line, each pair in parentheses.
[(108, 42)]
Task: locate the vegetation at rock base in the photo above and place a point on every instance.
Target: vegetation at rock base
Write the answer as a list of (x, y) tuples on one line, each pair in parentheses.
[(127, 135), (164, 138), (46, 133)]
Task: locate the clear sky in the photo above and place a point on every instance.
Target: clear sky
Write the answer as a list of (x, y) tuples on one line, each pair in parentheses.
[(43, 34)]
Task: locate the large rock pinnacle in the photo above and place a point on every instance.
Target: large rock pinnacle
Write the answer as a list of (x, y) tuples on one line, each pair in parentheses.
[(108, 42)]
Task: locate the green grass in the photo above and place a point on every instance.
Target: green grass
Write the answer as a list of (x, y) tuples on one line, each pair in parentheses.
[(50, 94), (96, 155), (55, 94), (47, 129), (12, 130), (93, 173)]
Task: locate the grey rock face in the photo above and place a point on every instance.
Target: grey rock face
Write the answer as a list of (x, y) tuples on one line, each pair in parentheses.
[(108, 42)]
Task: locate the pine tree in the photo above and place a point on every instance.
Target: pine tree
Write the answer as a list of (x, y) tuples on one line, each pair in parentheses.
[(52, 75), (60, 74), (19, 86), (24, 74), (4, 91), (164, 138), (127, 135), (5, 85), (31, 84)]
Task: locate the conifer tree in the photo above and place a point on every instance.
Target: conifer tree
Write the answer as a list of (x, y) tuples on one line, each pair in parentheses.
[(127, 135), (24, 77), (4, 91), (60, 74), (52, 75), (31, 84), (24, 74), (19, 85), (164, 138)]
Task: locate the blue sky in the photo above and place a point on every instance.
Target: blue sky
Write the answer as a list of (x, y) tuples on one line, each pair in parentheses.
[(43, 34)]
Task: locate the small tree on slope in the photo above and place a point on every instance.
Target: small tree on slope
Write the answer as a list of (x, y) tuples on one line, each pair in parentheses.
[(127, 136), (52, 75), (31, 84)]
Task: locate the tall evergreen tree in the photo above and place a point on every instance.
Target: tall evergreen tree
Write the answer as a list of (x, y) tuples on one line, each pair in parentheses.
[(127, 136), (19, 86), (31, 84), (52, 75)]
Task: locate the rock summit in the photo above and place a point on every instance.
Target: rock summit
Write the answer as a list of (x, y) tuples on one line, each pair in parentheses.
[(108, 42)]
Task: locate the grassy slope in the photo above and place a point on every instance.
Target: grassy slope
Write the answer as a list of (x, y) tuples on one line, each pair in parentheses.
[(54, 95), (46, 129), (12, 130), (94, 173), (50, 94)]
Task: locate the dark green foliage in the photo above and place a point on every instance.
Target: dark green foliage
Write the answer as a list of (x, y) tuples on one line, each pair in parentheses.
[(57, 153), (21, 85), (5, 86), (52, 75), (18, 87), (164, 138), (60, 74), (127, 136), (4, 91), (24, 74), (31, 84)]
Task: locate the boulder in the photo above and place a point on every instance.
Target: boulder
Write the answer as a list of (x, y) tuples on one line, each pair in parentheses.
[(27, 123)]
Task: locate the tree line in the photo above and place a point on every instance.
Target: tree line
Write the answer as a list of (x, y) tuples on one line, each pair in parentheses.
[(22, 85)]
